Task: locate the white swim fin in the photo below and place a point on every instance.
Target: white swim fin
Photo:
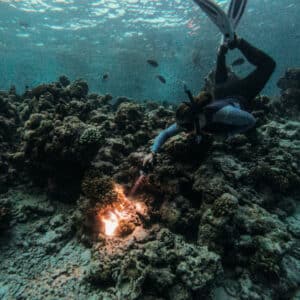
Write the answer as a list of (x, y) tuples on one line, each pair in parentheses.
[(218, 16), (236, 11)]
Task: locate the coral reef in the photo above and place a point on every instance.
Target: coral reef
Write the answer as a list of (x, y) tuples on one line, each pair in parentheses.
[(290, 92), (9, 122), (159, 264), (4, 217), (219, 220)]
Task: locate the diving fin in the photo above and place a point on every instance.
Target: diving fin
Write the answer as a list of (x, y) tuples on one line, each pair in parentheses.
[(218, 16), (235, 12)]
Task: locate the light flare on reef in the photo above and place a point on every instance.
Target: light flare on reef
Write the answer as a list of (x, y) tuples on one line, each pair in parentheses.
[(110, 223), (122, 210), (140, 207)]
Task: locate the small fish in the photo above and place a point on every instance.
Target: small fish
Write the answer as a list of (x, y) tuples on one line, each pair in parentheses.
[(105, 76), (238, 62), (152, 62), (161, 78), (24, 24)]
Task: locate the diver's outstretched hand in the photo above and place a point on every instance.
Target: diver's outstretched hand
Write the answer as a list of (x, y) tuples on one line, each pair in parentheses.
[(148, 159)]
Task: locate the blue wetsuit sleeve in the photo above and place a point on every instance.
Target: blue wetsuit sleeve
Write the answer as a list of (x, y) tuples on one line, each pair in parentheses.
[(163, 136)]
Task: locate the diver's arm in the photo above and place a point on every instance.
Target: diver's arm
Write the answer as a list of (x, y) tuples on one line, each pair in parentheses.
[(221, 74), (163, 136)]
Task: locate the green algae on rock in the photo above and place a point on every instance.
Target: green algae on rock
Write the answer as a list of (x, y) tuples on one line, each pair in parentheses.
[(217, 213)]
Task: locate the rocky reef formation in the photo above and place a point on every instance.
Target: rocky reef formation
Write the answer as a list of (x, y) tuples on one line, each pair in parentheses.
[(219, 220), (9, 121), (290, 92), (156, 262)]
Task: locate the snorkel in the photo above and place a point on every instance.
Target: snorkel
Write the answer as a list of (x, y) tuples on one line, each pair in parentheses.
[(195, 110)]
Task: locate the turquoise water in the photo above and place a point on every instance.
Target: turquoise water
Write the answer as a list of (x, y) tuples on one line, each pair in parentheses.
[(40, 40)]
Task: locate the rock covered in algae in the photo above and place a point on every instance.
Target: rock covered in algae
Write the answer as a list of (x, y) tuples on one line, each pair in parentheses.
[(9, 122), (129, 117), (229, 196), (290, 86), (98, 188), (64, 80), (291, 79), (5, 216), (226, 205), (78, 89), (158, 266), (9, 118), (59, 149)]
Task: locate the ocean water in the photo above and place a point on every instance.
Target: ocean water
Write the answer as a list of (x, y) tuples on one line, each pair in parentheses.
[(43, 39)]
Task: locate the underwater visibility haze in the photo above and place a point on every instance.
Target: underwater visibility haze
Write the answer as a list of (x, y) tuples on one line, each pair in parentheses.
[(40, 40), (120, 180)]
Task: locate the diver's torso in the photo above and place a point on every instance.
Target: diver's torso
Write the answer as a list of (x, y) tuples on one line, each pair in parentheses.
[(206, 117)]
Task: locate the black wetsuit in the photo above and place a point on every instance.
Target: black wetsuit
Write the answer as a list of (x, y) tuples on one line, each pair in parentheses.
[(230, 93), (249, 87)]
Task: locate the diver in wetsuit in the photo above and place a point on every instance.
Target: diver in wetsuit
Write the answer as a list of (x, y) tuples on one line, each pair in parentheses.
[(222, 110)]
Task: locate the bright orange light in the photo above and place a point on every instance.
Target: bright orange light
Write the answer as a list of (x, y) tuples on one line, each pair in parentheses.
[(140, 207), (112, 217), (121, 210), (111, 223)]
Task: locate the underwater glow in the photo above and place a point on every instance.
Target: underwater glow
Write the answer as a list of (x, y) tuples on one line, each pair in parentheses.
[(123, 210), (111, 223)]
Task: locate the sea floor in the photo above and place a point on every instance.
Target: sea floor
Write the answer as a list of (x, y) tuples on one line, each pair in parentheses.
[(219, 220), (41, 258)]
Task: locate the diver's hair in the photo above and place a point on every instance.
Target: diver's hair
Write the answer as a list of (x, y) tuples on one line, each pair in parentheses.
[(185, 114), (203, 99)]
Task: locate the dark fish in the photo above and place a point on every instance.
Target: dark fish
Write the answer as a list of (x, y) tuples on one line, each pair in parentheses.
[(105, 76), (24, 24), (152, 62), (238, 62), (161, 78)]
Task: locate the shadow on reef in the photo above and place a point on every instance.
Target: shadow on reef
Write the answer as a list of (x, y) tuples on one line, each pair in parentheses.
[(217, 220)]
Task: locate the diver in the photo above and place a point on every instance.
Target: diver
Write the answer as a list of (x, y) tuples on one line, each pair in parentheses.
[(221, 111), (223, 108)]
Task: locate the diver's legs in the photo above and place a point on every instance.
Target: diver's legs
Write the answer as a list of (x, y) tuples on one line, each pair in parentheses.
[(236, 11), (256, 80), (240, 120), (250, 86), (254, 55), (221, 74), (218, 16)]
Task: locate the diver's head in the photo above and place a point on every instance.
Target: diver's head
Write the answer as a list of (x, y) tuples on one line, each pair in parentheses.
[(186, 114), (185, 117), (203, 99)]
